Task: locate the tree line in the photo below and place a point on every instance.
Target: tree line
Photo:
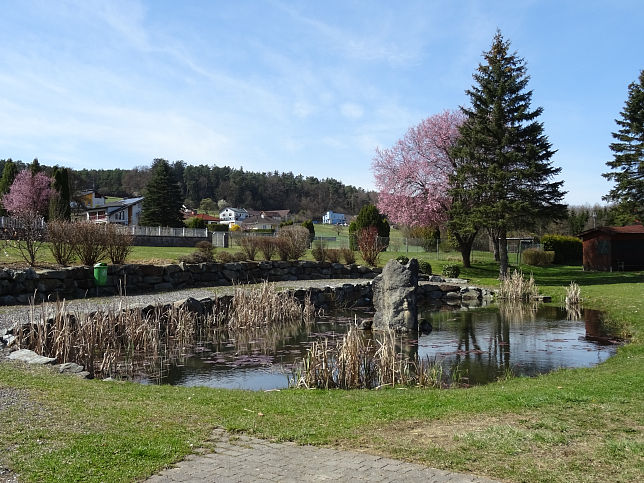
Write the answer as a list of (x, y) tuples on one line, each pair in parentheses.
[(307, 196)]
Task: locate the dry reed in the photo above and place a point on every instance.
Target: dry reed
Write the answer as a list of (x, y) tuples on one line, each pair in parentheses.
[(516, 288), (356, 363), (266, 306)]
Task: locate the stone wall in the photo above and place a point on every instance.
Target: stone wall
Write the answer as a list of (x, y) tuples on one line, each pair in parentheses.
[(18, 286)]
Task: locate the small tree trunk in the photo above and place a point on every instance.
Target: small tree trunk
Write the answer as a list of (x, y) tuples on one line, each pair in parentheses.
[(503, 254), (494, 238), (465, 243)]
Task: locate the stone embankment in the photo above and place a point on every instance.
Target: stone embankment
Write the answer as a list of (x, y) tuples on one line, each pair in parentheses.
[(20, 286)]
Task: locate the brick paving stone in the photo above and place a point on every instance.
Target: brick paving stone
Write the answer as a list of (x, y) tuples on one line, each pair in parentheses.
[(245, 459)]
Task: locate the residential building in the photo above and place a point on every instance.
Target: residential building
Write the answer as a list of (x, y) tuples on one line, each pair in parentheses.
[(125, 212), (233, 215), (331, 218)]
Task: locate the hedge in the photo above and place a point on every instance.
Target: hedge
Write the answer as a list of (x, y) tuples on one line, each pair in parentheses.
[(537, 258), (568, 249)]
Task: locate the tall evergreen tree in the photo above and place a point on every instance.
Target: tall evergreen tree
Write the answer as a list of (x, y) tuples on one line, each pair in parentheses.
[(628, 153), (59, 207), (508, 168), (35, 167), (9, 173), (162, 202)]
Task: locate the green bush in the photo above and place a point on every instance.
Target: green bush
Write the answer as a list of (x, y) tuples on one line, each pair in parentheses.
[(425, 267), (195, 222), (537, 258), (403, 259), (568, 249), (451, 271)]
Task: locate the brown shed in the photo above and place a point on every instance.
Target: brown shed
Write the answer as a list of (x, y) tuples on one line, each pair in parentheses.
[(614, 248)]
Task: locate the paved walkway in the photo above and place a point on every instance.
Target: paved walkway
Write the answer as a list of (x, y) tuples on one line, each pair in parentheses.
[(244, 459)]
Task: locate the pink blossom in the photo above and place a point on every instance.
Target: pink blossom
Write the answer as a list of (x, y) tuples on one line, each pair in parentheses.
[(29, 194), (413, 176)]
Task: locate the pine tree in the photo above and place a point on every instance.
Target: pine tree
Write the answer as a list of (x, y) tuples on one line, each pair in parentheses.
[(507, 167), (162, 202), (628, 153)]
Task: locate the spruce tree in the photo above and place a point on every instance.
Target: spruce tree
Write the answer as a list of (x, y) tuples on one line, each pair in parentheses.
[(9, 173), (162, 202), (506, 154), (59, 207), (628, 153)]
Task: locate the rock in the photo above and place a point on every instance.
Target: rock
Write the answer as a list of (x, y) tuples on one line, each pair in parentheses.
[(70, 368), (30, 357), (191, 305), (394, 297)]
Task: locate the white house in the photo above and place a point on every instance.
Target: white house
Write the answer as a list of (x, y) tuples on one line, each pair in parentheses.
[(233, 215), (124, 212), (330, 218)]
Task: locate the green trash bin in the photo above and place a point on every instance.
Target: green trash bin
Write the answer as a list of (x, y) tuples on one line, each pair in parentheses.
[(100, 274)]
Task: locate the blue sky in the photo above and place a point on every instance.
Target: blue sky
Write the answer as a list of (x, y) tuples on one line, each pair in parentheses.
[(309, 87)]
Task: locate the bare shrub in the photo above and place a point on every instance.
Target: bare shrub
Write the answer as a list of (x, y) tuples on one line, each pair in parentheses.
[(118, 243), (25, 232), (202, 254), (295, 240), (89, 241), (319, 250), (62, 243), (230, 257), (267, 247), (370, 245), (282, 246), (333, 255), (249, 246), (348, 255)]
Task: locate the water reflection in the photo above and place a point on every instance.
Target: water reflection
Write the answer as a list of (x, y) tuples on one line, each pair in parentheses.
[(475, 346)]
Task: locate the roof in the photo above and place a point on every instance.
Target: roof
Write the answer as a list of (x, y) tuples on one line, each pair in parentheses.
[(614, 230), (206, 217)]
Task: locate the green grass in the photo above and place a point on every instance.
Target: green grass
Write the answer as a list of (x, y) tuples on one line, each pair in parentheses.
[(570, 425)]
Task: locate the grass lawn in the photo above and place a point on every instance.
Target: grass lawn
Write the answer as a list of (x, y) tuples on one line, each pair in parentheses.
[(570, 425)]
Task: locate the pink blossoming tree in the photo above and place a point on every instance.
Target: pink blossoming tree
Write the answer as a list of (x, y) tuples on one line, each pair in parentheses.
[(26, 202), (413, 176), (29, 194)]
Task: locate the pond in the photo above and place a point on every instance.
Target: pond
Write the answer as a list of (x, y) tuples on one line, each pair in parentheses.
[(478, 346)]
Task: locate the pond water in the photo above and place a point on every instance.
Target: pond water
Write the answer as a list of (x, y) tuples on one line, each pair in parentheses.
[(482, 345)]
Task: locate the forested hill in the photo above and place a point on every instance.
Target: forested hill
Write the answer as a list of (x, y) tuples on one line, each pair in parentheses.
[(308, 196)]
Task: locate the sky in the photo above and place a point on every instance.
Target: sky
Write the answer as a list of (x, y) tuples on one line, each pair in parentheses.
[(310, 87)]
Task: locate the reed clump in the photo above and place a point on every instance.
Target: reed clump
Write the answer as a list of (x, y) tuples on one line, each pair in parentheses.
[(114, 342), (517, 288), (359, 363), (573, 301), (267, 306)]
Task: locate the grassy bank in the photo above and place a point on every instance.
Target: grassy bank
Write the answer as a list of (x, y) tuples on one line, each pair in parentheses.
[(571, 425)]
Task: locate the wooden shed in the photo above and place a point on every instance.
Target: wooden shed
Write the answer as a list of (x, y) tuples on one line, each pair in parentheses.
[(612, 248)]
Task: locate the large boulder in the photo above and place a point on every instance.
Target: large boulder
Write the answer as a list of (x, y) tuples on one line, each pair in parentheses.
[(394, 297)]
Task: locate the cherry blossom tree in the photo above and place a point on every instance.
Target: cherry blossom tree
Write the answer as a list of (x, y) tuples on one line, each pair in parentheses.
[(413, 176), (29, 194), (26, 202)]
